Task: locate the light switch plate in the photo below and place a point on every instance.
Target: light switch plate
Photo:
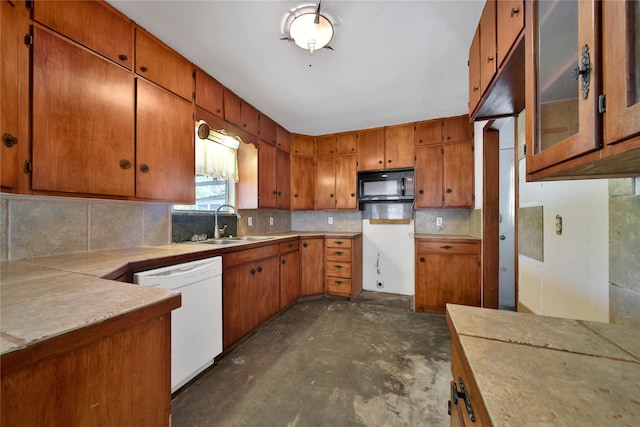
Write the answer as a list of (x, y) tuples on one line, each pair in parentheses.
[(330, 220), (270, 220)]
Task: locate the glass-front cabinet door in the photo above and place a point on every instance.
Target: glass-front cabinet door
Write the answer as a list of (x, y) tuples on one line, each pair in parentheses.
[(562, 80), (621, 59)]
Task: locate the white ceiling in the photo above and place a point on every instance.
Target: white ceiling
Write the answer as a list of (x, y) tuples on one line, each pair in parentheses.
[(393, 61)]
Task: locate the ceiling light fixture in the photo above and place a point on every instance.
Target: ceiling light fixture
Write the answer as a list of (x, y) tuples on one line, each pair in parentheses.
[(308, 28)]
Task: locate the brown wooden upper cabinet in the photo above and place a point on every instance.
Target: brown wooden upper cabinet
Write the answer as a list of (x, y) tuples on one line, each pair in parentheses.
[(302, 145), (567, 103), (209, 93), (621, 70), (14, 102), (398, 146), (496, 61), (249, 118), (162, 65), (267, 129), (325, 145), (450, 129), (509, 25), (89, 23), (231, 107), (562, 110), (370, 149), (283, 139), (303, 183), (385, 148), (444, 163), (474, 72), (165, 152), (488, 45), (240, 113), (346, 142), (80, 143)]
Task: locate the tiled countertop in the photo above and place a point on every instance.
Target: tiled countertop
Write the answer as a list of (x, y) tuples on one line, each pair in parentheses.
[(539, 370), (41, 298)]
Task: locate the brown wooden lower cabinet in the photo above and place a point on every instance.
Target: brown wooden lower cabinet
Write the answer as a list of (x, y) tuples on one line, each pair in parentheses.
[(343, 266), (250, 291), (447, 271), (464, 392), (115, 373), (289, 273), (311, 266)]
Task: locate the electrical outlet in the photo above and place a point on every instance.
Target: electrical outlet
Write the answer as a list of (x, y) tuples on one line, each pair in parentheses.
[(270, 220), (330, 220), (438, 222), (250, 221)]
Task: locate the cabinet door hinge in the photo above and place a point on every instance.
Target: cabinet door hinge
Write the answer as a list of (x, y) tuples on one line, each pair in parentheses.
[(28, 40), (602, 103), (194, 74), (28, 166)]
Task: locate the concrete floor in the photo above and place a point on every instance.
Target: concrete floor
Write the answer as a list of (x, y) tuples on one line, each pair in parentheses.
[(329, 362)]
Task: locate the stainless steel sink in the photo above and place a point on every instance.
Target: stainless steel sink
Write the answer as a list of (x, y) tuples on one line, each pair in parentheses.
[(249, 238), (237, 239)]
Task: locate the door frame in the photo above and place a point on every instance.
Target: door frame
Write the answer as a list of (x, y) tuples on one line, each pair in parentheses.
[(491, 214)]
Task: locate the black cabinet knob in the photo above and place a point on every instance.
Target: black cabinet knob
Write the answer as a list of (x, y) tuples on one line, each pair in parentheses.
[(304, 245), (123, 57), (144, 168), (259, 269), (144, 69)]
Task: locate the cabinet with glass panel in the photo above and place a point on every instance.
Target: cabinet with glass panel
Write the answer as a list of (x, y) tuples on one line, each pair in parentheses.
[(583, 119)]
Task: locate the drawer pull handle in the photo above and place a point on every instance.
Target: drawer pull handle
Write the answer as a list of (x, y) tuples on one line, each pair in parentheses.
[(290, 245), (339, 267), (339, 252), (338, 282), (514, 11), (462, 394), (446, 247), (339, 242)]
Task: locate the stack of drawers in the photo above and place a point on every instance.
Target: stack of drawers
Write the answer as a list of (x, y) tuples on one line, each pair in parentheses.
[(339, 258)]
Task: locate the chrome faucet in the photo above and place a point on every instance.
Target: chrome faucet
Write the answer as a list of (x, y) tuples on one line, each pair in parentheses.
[(216, 231)]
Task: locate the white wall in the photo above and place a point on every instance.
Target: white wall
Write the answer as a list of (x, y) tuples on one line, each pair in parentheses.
[(573, 279)]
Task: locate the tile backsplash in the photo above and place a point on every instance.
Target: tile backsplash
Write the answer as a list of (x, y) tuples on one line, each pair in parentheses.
[(32, 226)]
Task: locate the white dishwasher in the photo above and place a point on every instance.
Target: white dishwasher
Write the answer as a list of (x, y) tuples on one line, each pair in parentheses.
[(196, 327)]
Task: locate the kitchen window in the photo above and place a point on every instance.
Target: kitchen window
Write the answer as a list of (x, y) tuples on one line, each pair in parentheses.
[(216, 175)]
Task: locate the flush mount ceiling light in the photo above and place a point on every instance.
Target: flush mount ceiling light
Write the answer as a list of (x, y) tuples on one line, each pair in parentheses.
[(308, 28)]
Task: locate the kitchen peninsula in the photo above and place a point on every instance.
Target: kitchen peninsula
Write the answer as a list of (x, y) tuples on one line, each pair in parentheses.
[(99, 349), (522, 369)]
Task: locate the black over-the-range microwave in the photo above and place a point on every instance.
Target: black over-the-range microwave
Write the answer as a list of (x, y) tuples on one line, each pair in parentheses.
[(387, 185)]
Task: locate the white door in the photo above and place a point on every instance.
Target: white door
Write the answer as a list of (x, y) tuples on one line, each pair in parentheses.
[(506, 229)]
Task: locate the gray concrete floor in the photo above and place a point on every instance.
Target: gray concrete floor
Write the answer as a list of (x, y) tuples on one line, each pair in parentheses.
[(328, 362)]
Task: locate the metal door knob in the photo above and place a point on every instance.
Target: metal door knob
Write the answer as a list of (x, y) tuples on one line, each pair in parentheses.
[(503, 237)]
